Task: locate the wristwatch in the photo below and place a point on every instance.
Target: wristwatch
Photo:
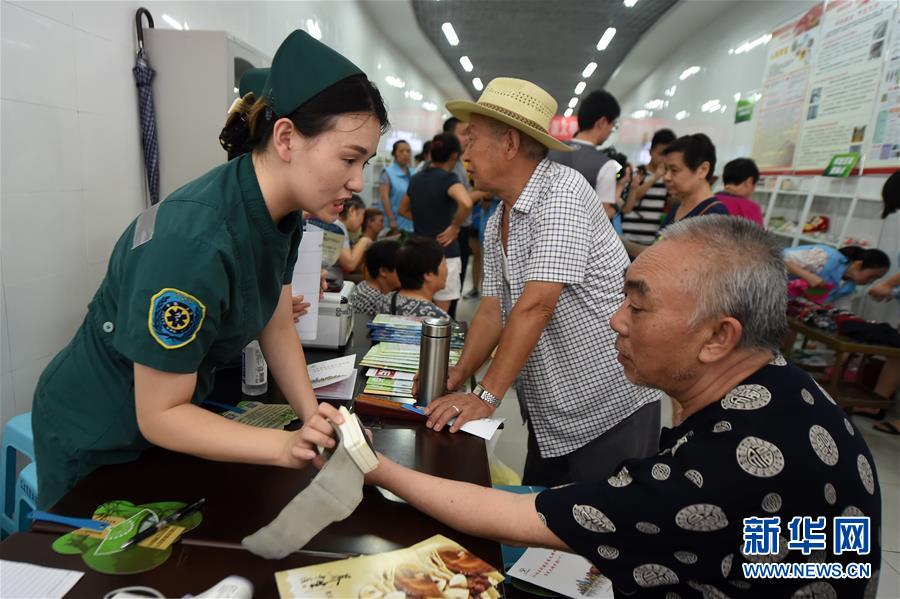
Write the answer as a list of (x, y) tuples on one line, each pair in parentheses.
[(486, 396)]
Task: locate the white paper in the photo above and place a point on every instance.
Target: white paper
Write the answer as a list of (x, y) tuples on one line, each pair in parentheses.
[(483, 427), (390, 374), (307, 281), (333, 371), (565, 573), (25, 581), (340, 390)]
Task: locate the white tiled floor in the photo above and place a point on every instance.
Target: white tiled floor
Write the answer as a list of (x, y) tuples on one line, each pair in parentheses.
[(512, 444)]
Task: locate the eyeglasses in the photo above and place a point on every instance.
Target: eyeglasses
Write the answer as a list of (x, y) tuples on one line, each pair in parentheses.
[(615, 126)]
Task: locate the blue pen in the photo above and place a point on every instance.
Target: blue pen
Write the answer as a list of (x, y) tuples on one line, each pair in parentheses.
[(68, 521)]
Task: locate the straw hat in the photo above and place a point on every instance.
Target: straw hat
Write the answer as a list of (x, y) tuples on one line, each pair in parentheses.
[(518, 103)]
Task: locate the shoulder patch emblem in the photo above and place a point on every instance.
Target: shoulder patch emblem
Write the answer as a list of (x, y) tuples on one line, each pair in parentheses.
[(175, 317)]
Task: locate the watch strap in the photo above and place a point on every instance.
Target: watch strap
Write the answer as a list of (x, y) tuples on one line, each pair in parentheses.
[(486, 396)]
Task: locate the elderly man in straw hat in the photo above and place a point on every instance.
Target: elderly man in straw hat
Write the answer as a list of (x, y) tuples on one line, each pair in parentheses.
[(552, 279), (765, 468)]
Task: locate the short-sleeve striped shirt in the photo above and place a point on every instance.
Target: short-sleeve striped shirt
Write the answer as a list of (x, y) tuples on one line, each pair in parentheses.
[(572, 385), (641, 225)]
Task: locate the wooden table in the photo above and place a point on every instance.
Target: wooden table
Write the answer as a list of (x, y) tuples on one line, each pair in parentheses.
[(241, 498), (847, 394)]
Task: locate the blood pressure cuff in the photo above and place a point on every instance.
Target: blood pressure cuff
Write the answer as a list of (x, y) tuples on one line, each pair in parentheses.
[(331, 496)]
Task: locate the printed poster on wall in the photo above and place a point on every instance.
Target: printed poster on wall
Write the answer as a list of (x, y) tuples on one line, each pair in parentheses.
[(884, 151), (844, 81), (781, 109)]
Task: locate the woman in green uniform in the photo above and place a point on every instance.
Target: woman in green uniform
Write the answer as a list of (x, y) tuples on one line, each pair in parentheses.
[(198, 276)]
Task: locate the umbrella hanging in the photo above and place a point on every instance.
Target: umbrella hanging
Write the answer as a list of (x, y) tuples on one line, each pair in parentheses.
[(143, 74)]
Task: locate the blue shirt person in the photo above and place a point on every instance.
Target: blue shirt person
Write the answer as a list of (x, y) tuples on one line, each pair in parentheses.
[(393, 184), (843, 269)]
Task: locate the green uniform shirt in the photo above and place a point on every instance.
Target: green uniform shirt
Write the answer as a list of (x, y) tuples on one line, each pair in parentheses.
[(190, 283)]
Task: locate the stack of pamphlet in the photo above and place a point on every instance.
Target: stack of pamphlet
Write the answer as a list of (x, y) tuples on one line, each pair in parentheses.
[(398, 356), (408, 329), (392, 383), (392, 367)]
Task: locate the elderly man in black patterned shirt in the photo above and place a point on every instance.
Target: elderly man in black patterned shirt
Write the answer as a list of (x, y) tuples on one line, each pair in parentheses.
[(765, 471)]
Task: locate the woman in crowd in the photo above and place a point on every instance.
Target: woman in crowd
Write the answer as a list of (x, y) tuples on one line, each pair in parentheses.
[(380, 277), (373, 223), (422, 271), (838, 271), (423, 159), (690, 163), (350, 222), (437, 203), (195, 278), (392, 187)]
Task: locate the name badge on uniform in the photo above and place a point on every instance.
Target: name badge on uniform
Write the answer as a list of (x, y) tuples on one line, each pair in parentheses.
[(175, 317)]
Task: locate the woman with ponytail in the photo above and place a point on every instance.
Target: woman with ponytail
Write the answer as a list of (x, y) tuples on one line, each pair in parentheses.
[(198, 276), (437, 204)]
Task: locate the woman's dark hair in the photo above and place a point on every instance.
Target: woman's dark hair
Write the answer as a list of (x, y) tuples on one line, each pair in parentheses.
[(354, 202), (739, 170), (397, 143), (870, 258), (381, 254), (236, 131), (417, 257), (696, 149), (250, 124), (371, 213), (443, 146), (425, 154), (890, 194)]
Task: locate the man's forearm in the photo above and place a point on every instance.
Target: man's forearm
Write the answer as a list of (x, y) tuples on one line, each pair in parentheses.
[(519, 336), (472, 509), (478, 347)]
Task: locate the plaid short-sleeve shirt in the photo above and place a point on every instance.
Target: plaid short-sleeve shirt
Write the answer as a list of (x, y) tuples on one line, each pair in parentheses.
[(572, 385)]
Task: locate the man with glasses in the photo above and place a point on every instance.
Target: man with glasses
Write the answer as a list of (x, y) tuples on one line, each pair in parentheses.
[(597, 120)]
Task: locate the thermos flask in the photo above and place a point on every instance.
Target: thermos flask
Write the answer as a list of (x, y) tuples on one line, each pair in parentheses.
[(434, 358)]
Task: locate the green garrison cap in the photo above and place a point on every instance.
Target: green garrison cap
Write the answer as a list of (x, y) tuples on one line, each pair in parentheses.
[(303, 67), (253, 80)]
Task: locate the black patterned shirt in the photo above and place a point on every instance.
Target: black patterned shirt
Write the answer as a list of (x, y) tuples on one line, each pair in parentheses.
[(671, 525), (366, 299)]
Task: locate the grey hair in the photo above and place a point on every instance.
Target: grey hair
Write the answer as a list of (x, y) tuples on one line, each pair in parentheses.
[(743, 276), (531, 148)]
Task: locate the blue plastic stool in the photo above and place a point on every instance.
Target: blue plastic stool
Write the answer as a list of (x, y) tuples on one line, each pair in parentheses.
[(17, 438), (512, 554), (26, 496)]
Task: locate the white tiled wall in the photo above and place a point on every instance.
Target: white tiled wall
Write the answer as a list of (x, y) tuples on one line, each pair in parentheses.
[(71, 177)]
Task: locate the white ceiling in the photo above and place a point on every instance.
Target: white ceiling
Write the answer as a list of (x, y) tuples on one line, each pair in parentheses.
[(678, 25), (395, 18)]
